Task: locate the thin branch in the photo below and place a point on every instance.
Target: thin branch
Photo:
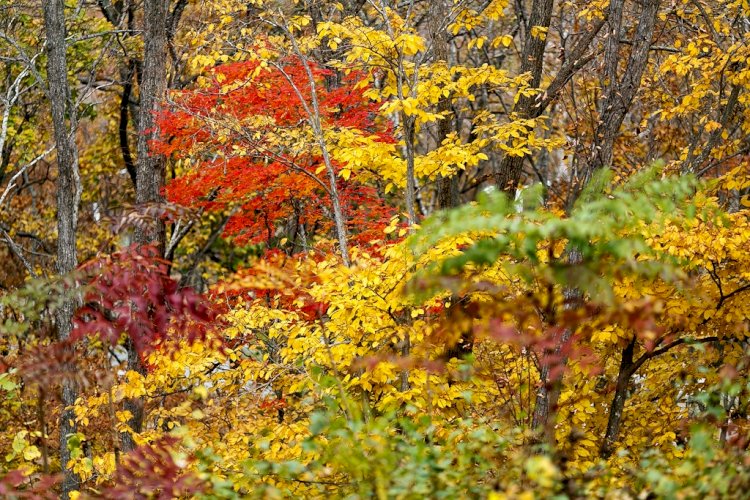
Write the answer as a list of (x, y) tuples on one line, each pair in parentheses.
[(177, 236), (726, 297), (694, 162), (658, 352), (16, 250), (198, 256), (11, 183)]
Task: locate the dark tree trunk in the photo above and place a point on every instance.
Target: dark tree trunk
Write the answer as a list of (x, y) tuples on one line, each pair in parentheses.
[(447, 188), (150, 169), (508, 174), (68, 199), (447, 194), (618, 401), (127, 75), (532, 60)]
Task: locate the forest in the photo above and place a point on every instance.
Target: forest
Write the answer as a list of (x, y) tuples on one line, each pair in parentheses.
[(405, 249)]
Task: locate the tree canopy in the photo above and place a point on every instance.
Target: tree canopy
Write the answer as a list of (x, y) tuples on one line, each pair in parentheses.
[(461, 248)]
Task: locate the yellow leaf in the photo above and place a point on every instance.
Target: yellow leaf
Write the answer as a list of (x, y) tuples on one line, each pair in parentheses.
[(539, 32), (201, 390), (123, 416), (31, 453)]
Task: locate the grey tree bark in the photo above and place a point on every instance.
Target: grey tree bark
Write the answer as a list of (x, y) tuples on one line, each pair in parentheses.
[(150, 168), (68, 199), (619, 92), (117, 14)]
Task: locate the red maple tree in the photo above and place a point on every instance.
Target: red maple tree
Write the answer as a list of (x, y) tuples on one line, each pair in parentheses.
[(227, 133)]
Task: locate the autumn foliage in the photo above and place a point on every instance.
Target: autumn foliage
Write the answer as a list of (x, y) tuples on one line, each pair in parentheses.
[(375, 250), (131, 293), (245, 146)]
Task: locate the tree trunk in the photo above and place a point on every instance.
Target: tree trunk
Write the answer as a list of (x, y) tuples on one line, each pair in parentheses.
[(409, 126), (447, 188), (127, 75), (150, 169), (619, 91), (549, 389), (618, 401), (508, 173), (532, 60), (618, 98), (68, 198)]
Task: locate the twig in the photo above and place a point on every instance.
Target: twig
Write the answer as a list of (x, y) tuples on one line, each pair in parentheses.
[(16, 250), (11, 183)]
